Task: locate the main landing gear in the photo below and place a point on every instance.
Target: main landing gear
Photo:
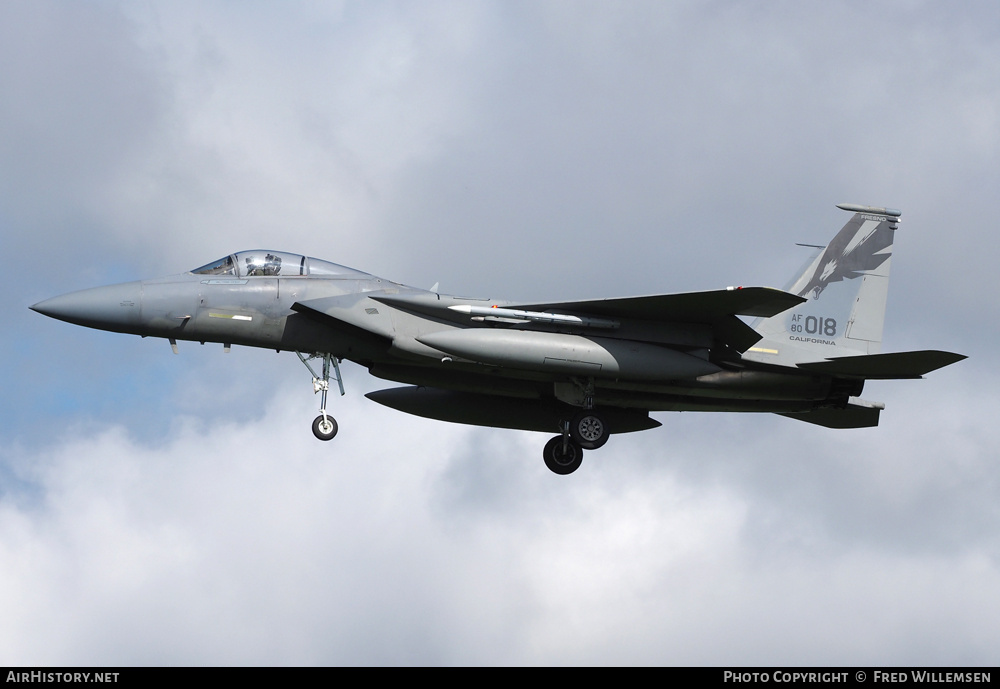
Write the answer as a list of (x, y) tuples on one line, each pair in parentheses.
[(324, 426), (563, 455), (587, 430)]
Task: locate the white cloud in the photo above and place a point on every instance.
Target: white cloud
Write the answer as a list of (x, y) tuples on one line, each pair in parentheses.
[(255, 543)]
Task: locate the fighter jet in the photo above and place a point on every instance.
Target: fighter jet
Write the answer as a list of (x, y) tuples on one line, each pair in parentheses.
[(583, 370)]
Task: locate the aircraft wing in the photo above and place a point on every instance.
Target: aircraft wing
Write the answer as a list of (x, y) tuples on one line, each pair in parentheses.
[(686, 307), (717, 308)]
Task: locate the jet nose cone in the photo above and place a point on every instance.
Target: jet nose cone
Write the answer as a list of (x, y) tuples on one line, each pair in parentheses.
[(116, 307)]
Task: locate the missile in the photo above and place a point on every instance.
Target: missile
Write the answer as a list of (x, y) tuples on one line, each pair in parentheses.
[(599, 357), (534, 316), (891, 212)]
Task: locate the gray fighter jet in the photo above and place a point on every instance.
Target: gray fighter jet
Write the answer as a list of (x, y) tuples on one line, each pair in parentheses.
[(580, 369)]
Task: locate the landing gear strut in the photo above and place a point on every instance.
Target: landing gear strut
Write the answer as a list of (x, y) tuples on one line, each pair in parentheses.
[(588, 426), (587, 430), (324, 426)]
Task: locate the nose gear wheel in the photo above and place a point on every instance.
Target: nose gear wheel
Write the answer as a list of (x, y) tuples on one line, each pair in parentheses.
[(325, 427)]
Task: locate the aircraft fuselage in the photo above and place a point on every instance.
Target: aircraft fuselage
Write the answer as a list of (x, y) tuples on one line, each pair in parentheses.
[(584, 369)]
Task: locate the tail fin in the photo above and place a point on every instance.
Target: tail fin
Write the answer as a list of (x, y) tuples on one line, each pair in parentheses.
[(845, 287)]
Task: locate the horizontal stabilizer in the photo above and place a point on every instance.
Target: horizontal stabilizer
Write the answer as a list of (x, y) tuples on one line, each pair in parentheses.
[(857, 414), (884, 366)]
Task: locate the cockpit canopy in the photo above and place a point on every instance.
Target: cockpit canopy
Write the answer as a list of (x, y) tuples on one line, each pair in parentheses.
[(274, 264)]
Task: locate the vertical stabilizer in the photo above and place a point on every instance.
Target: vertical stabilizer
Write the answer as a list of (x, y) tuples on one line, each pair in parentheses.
[(845, 287)]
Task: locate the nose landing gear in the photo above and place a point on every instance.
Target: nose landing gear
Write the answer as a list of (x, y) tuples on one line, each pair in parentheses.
[(324, 426)]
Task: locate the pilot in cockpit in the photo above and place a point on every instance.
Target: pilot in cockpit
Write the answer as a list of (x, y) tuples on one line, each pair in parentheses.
[(271, 265)]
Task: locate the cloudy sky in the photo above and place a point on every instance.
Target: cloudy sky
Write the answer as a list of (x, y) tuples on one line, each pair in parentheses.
[(160, 509)]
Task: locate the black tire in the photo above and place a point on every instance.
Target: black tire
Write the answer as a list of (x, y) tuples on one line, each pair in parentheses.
[(324, 429), (589, 429), (561, 462)]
